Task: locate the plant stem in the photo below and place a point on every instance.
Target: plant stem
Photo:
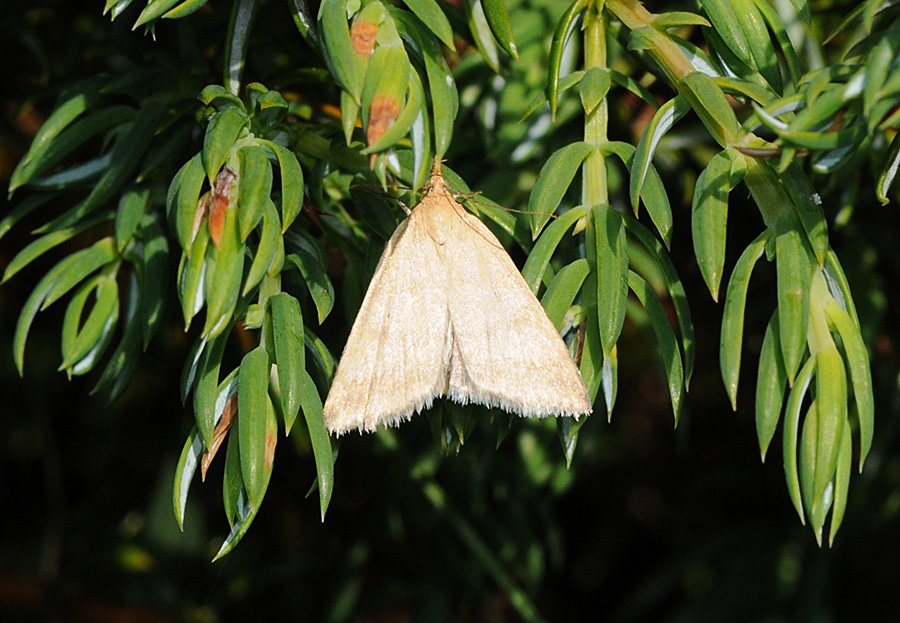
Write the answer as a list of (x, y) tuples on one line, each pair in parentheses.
[(595, 187)]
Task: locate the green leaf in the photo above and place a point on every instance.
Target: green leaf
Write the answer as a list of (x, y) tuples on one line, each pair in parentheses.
[(224, 129), (316, 278), (831, 398), (709, 102), (184, 9), (887, 173), (709, 218), (481, 33), (592, 365), (154, 278), (675, 19), (122, 363), (206, 385), (676, 290), (771, 383), (192, 277), (237, 41), (781, 36), (270, 243), (254, 187), (841, 481), (656, 200), (860, 374), (222, 97), (127, 153), (33, 304), (131, 210), (791, 427), (69, 139), (665, 337), (81, 264), (48, 241), (291, 183), (593, 88), (232, 481), (433, 18), (153, 10), (184, 473), (553, 181), (223, 284), (662, 121), (323, 451), (499, 23), (441, 85), (607, 242), (182, 198), (794, 274), (47, 136), (342, 59), (245, 515), (287, 332), (257, 434), (732, 337), (879, 66), (79, 338), (539, 258), (564, 28), (728, 23), (808, 207), (808, 447), (562, 291)]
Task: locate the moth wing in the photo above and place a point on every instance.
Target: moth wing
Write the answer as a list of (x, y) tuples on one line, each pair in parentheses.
[(396, 360), (505, 350)]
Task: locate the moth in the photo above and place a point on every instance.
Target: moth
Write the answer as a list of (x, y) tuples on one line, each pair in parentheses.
[(447, 314)]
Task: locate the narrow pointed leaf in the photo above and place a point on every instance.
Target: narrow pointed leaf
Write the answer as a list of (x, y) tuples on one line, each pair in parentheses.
[(562, 291), (831, 397), (860, 375), (287, 332), (311, 404), (665, 337), (291, 183), (433, 17), (254, 187), (48, 241), (256, 438), (316, 278), (791, 428), (771, 383), (223, 130), (184, 473), (553, 181), (732, 337), (794, 273), (709, 219), (841, 482), (546, 245), (676, 290), (154, 278)]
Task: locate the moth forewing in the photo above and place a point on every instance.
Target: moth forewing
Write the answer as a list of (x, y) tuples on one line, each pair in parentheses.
[(448, 314), (511, 352), (394, 363)]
